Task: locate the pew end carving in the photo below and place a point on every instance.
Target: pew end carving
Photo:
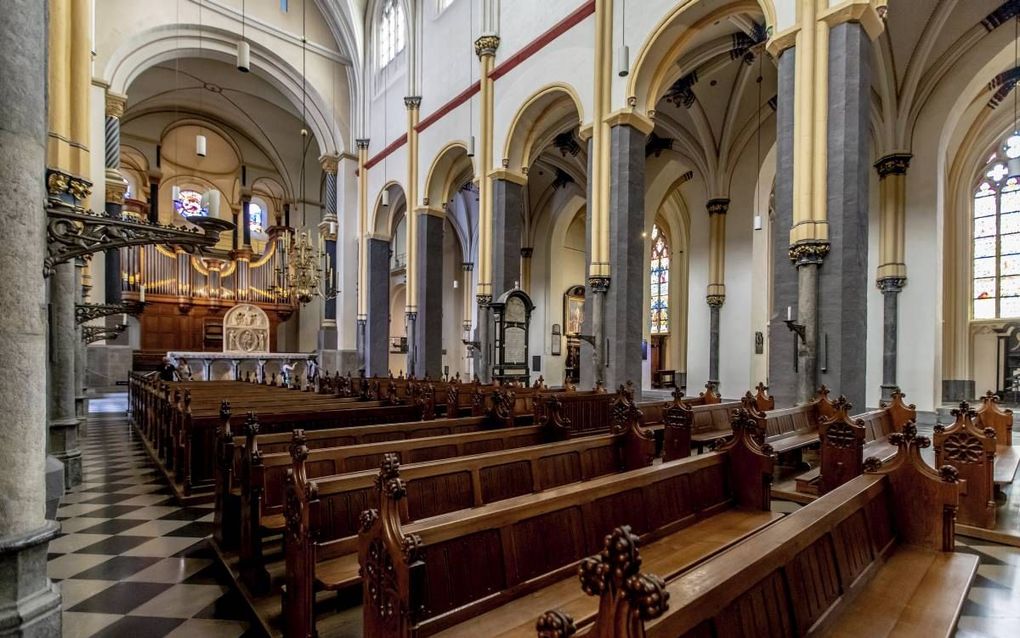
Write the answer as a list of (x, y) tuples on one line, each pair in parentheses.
[(299, 548), (900, 411), (842, 447), (710, 395), (678, 419), (763, 400), (992, 415), (923, 500), (627, 597), (388, 559), (751, 464), (970, 449)]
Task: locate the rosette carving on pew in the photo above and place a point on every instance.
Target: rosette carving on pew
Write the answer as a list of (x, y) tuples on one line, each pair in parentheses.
[(969, 448), (842, 447), (679, 420), (923, 488), (299, 546), (627, 597), (388, 557)]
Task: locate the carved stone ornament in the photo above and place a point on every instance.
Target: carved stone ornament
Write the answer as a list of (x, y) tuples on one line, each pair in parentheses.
[(83, 313), (555, 624), (891, 285), (599, 284), (92, 334), (715, 301), (486, 45), (245, 329), (895, 164), (718, 206), (811, 252), (412, 102)]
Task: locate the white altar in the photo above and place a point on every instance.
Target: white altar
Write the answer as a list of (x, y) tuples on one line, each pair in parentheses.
[(262, 363)]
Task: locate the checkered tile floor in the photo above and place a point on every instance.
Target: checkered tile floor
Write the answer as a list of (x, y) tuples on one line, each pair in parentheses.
[(129, 561)]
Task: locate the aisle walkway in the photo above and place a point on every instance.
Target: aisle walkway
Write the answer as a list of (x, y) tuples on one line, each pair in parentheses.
[(129, 561)]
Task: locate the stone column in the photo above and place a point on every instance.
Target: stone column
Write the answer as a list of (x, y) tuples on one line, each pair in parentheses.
[(485, 48), (625, 300), (63, 423), (377, 319), (428, 357), (362, 318), (783, 343), (80, 401), (116, 186), (155, 176), (526, 254), (892, 269), (844, 279), (245, 218), (508, 225), (328, 232), (413, 105), (716, 295), (29, 603)]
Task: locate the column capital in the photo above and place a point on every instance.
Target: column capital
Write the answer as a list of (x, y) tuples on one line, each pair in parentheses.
[(809, 252), (527, 252), (599, 284), (115, 104), (870, 14), (330, 162), (467, 266), (412, 102), (891, 285), (362, 142), (486, 45), (718, 206), (483, 300), (715, 301), (893, 164)]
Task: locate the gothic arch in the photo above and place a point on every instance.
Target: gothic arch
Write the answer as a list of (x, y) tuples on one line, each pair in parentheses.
[(451, 169), (542, 112)]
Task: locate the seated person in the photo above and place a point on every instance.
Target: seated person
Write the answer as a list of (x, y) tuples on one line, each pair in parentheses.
[(167, 370), (183, 370)]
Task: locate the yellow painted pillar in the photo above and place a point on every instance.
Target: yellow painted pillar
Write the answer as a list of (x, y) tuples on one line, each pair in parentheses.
[(485, 49), (892, 268), (716, 294), (69, 80), (363, 231), (413, 104)]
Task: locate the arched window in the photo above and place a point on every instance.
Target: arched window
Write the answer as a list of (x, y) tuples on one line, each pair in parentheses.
[(659, 282), (257, 216), (391, 31), (189, 203), (997, 236)]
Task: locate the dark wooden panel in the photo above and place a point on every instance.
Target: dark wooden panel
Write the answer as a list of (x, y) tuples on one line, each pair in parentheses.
[(461, 570), (880, 521), (600, 461), (852, 552), (506, 481), (560, 469), (762, 612), (483, 446), (546, 542), (340, 512), (711, 485), (669, 500), (813, 582), (434, 453), (364, 462), (434, 495), (380, 437), (609, 512)]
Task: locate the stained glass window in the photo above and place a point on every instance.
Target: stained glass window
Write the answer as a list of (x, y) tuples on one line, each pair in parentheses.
[(391, 32), (256, 217), (659, 278), (996, 237), (189, 203)]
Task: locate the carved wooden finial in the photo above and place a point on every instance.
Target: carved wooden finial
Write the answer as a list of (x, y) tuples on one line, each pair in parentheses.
[(823, 391), (629, 597), (555, 624), (909, 437), (388, 481), (677, 394), (843, 407), (225, 412), (298, 447)]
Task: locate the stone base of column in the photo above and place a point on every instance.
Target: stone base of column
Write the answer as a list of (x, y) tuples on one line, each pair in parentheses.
[(64, 447), (29, 602), (54, 485), (954, 390), (81, 410)]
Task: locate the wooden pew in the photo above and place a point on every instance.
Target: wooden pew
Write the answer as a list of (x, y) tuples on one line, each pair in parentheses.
[(872, 558), (847, 441), (985, 465), (435, 488), (712, 415), (425, 578)]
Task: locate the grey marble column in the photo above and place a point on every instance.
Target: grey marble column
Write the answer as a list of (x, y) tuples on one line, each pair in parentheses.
[(80, 401), (377, 320), (715, 303), (587, 352), (508, 223), (360, 341), (890, 288), (783, 344), (485, 336), (63, 423), (843, 281), (411, 330), (429, 342), (29, 603), (626, 297), (808, 258)]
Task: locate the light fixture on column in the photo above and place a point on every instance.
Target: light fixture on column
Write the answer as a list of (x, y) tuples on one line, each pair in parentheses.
[(384, 199), (471, 146), (623, 54), (200, 145), (243, 48)]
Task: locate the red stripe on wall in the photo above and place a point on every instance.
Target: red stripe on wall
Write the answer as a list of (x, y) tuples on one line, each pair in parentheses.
[(397, 143), (543, 40), (530, 49), (464, 96)]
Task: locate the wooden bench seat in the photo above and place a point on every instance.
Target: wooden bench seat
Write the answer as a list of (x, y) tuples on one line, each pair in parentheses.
[(874, 558), (915, 593), (1007, 459), (670, 555), (432, 570), (712, 414)]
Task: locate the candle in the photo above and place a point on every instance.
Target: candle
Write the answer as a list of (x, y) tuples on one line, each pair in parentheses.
[(789, 313), (141, 294), (123, 318)]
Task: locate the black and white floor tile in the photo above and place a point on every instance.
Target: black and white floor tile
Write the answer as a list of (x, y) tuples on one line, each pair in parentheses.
[(129, 561)]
